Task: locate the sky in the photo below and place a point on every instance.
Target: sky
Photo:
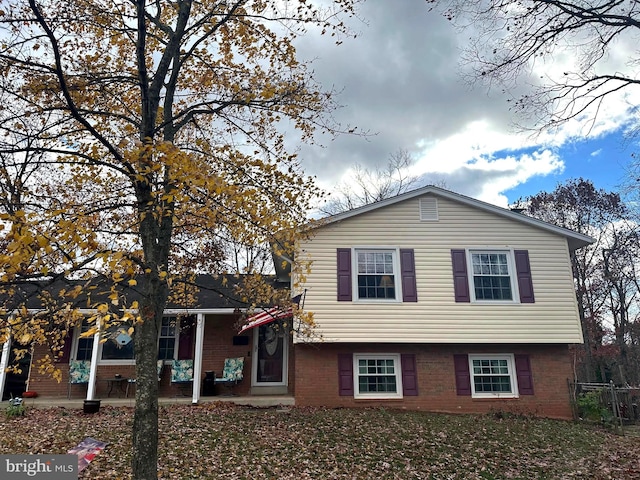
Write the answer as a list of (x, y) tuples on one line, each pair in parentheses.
[(401, 80)]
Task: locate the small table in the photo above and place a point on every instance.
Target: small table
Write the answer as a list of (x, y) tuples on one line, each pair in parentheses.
[(112, 382)]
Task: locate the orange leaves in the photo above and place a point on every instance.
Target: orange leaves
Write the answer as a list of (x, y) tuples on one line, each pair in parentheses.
[(153, 159)]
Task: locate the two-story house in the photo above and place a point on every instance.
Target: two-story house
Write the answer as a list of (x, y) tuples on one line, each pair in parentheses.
[(429, 301), (435, 301)]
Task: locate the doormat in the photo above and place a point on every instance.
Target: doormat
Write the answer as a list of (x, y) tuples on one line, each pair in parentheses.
[(86, 451)]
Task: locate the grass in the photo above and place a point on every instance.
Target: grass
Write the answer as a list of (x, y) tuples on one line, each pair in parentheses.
[(230, 442)]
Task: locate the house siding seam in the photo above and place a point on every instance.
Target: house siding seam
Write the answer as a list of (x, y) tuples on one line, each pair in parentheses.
[(436, 317)]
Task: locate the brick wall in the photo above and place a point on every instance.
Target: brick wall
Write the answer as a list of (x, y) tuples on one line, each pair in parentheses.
[(218, 345), (317, 379)]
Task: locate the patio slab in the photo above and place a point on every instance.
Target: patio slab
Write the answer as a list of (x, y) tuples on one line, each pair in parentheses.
[(253, 401)]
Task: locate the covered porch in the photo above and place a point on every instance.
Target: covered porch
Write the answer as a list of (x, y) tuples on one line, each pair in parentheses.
[(210, 338), (204, 336)]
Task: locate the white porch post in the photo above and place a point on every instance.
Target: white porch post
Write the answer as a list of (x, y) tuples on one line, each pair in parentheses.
[(4, 363), (197, 361), (93, 372)]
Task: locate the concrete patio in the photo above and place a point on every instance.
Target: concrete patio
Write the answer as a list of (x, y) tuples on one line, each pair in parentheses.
[(265, 401)]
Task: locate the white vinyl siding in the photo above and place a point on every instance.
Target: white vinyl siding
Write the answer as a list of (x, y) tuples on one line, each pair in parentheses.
[(436, 317)]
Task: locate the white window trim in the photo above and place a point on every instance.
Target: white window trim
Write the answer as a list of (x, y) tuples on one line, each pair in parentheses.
[(512, 374), (176, 337), (74, 351), (76, 338), (397, 366), (396, 273), (511, 263)]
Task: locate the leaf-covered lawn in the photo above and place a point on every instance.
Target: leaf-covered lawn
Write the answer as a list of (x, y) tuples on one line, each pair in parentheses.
[(225, 441)]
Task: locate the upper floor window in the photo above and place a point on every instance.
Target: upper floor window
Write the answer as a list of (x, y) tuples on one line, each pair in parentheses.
[(492, 274), (376, 274)]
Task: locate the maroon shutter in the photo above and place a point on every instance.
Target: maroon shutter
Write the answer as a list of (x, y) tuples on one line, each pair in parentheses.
[(185, 340), (523, 372), (344, 274), (463, 377), (460, 278), (66, 350), (409, 375), (523, 271), (408, 275), (345, 374)]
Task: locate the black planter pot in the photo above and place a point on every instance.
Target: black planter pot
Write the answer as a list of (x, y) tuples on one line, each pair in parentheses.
[(91, 406), (209, 384)]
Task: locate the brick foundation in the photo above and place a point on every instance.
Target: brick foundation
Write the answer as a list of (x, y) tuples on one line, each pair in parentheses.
[(317, 379)]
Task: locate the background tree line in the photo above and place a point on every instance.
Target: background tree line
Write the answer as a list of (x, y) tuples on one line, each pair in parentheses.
[(605, 274)]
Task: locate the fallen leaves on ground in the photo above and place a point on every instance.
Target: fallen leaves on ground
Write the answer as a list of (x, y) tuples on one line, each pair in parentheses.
[(232, 442)]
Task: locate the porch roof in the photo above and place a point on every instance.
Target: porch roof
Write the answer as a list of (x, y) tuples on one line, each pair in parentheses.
[(212, 292)]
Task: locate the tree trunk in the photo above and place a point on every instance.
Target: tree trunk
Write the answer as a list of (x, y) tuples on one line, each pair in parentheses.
[(587, 345), (145, 423)]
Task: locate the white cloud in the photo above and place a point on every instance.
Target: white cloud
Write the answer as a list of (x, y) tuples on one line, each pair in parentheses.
[(401, 80)]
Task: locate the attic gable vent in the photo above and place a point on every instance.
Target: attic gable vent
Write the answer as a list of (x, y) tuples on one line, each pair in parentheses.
[(429, 209)]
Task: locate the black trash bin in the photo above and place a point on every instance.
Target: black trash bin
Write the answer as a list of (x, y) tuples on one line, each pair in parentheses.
[(209, 384)]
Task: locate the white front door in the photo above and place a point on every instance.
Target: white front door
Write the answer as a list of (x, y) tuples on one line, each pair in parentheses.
[(270, 355)]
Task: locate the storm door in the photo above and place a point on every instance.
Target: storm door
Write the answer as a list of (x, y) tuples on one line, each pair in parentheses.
[(271, 353)]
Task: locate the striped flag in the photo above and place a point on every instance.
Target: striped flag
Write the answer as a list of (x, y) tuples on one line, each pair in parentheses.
[(270, 315)]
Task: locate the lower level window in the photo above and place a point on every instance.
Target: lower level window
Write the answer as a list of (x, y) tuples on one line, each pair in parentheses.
[(167, 340), (117, 348), (377, 376), (493, 375)]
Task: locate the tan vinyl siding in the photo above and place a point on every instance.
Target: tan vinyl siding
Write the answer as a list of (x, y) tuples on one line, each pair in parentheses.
[(436, 317)]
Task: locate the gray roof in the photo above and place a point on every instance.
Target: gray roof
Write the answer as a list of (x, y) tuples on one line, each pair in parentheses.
[(213, 292)]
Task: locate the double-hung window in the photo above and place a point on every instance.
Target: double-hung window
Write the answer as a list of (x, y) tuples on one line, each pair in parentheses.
[(493, 375), (492, 275), (116, 349), (376, 274), (84, 345), (168, 338), (377, 376), (119, 347)]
